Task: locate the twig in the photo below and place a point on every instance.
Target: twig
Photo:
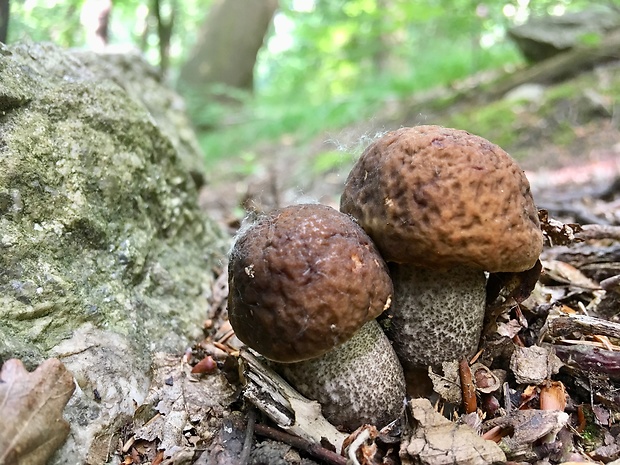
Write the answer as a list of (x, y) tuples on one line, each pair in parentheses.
[(468, 390), (314, 450), (564, 325), (249, 435), (587, 359), (599, 231)]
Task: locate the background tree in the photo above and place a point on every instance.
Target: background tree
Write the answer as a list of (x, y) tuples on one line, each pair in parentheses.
[(227, 45), (165, 26), (4, 20)]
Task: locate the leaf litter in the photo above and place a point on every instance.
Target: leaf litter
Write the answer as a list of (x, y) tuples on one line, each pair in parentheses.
[(543, 388), (32, 427), (545, 383)]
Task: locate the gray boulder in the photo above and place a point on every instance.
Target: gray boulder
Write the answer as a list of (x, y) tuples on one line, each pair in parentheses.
[(105, 258), (545, 36)]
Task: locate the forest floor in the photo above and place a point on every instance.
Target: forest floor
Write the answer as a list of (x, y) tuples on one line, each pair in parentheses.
[(567, 138)]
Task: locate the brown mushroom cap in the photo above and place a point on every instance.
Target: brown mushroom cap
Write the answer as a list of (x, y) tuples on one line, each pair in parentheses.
[(302, 281), (438, 197)]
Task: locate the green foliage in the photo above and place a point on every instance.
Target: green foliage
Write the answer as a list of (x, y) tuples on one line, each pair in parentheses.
[(325, 64), (46, 20), (132, 24), (346, 59)]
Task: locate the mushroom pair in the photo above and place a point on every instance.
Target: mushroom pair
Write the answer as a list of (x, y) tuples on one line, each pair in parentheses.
[(306, 284), (443, 207)]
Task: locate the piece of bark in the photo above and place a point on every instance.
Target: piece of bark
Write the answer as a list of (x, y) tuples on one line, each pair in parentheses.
[(563, 325), (32, 427), (590, 360), (284, 405), (435, 440), (533, 365)]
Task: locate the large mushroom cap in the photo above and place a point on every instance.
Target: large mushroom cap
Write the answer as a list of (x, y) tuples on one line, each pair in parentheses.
[(438, 197), (302, 281)]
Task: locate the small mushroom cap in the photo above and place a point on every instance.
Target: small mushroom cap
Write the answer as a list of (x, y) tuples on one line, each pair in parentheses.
[(302, 281), (438, 197)]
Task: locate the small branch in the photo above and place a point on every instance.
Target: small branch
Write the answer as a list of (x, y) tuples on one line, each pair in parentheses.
[(314, 450), (249, 435), (565, 325), (599, 231), (588, 359)]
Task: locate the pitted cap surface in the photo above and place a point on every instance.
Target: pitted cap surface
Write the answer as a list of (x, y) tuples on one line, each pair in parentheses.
[(439, 197), (303, 280)]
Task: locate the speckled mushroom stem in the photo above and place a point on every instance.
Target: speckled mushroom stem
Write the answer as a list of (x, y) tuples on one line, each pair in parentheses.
[(358, 382), (436, 316)]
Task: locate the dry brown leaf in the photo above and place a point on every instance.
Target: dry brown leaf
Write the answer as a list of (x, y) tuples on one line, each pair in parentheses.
[(528, 426), (31, 424), (438, 441), (553, 396), (563, 272)]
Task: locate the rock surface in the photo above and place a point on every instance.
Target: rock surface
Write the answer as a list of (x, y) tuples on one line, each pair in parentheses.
[(105, 257), (545, 36)]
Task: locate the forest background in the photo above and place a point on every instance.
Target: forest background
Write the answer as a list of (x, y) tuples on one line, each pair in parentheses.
[(259, 75)]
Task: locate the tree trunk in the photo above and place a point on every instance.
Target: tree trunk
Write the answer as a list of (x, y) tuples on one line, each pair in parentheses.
[(227, 45), (164, 33), (4, 20)]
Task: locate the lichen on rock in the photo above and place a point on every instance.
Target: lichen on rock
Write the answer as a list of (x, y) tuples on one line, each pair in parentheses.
[(101, 238)]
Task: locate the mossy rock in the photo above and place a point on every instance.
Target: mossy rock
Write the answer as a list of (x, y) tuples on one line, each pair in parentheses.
[(105, 257)]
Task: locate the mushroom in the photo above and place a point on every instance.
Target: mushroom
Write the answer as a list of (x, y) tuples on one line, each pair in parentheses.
[(443, 206), (306, 284)]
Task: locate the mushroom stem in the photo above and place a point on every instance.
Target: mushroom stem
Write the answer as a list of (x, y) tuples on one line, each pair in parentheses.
[(345, 382), (436, 316)]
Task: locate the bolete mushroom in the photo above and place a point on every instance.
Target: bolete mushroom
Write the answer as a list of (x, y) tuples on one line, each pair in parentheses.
[(443, 206), (306, 284)]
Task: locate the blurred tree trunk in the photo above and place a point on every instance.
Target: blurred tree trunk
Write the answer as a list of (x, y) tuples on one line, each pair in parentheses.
[(386, 60), (4, 20), (164, 33), (227, 45)]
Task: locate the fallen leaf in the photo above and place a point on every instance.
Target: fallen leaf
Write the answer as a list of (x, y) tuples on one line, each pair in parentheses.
[(31, 424), (552, 396), (437, 441), (566, 273), (528, 426)]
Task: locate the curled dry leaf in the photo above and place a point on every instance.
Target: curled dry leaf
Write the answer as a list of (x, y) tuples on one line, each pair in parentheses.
[(486, 381), (31, 424), (552, 396), (557, 233), (436, 440)]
